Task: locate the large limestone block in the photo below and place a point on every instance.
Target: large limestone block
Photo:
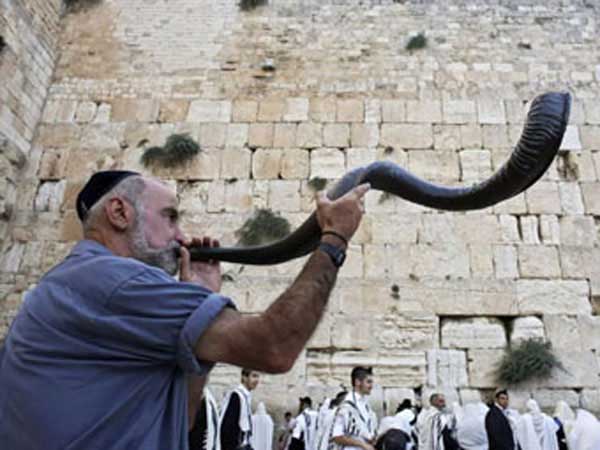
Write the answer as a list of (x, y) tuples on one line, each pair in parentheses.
[(309, 135), (271, 110), (446, 137), (590, 400), (364, 135), (473, 333), (553, 297), (570, 198), (491, 110), (482, 367), (244, 111), (591, 197), (406, 331), (550, 230), (447, 368), (471, 136), (589, 327), (527, 328), (506, 262), (209, 111), (295, 164), (407, 136), (284, 135), (425, 111), (350, 110), (284, 195), (327, 163), (238, 196), (322, 109), (496, 137), (481, 260), (577, 231), (580, 370), (171, 110), (435, 166), (213, 134), (394, 229), (440, 260), (548, 398), (260, 135), (530, 230), (134, 110), (236, 163), (393, 110), (237, 135), (538, 261), (266, 164), (336, 135), (476, 165), (478, 228), (543, 198), (351, 332), (296, 109), (59, 111), (571, 140), (459, 111)]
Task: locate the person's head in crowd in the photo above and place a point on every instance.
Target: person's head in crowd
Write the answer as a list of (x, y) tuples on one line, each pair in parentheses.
[(287, 416), (250, 378), (437, 401), (305, 402), (338, 399), (362, 380), (133, 216), (406, 404), (501, 398)]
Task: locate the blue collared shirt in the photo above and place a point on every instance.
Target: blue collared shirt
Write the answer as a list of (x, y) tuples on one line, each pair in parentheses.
[(97, 355)]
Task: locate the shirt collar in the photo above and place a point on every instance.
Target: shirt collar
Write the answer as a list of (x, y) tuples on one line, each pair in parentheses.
[(245, 391), (91, 247)]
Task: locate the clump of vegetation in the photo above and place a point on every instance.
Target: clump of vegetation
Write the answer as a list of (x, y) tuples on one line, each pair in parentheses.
[(2, 43), (395, 292), (247, 5), (76, 5), (177, 151), (417, 42), (263, 227), (317, 183), (385, 196), (531, 359)]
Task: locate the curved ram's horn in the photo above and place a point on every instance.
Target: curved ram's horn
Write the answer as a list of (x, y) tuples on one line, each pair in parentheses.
[(538, 145)]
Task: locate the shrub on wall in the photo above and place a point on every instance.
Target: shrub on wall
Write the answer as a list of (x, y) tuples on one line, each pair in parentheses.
[(263, 227), (247, 5), (177, 151), (531, 359), (416, 42)]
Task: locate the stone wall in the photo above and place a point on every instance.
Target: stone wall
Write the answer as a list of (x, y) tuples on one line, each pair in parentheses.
[(428, 298), (28, 35)]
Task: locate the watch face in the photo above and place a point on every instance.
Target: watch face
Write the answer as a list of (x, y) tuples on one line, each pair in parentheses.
[(337, 255)]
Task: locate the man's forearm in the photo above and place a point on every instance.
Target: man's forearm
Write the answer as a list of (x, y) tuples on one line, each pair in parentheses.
[(347, 441)]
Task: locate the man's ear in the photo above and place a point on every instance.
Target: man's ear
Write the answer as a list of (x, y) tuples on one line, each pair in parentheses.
[(119, 213)]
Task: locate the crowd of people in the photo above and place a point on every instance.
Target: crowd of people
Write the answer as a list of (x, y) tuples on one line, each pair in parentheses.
[(348, 422)]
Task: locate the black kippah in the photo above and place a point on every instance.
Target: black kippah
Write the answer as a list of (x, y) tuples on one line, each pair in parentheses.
[(98, 185)]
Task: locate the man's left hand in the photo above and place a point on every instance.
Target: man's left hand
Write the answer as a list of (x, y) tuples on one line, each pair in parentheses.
[(204, 273)]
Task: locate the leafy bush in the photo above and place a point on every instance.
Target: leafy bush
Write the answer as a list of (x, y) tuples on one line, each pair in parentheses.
[(247, 5), (263, 227), (531, 359), (317, 183), (76, 5), (178, 150), (416, 42)]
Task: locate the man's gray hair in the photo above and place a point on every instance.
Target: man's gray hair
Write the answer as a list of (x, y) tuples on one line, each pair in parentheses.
[(131, 189)]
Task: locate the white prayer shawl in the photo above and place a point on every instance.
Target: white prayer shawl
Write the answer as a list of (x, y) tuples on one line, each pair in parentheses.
[(526, 434), (262, 429), (212, 437), (324, 428), (430, 424), (306, 428), (245, 419), (470, 430), (355, 419), (586, 432), (545, 427), (565, 414), (514, 418), (400, 421)]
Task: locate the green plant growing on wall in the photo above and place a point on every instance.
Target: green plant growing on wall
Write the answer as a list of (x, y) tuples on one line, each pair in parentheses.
[(417, 42), (177, 151), (76, 5), (247, 5), (263, 227), (317, 184), (531, 359)]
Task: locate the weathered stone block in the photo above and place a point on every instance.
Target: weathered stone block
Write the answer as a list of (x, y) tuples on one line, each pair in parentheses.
[(284, 135), (364, 135), (543, 198), (570, 198), (530, 230), (86, 111), (295, 163), (209, 111), (470, 136), (577, 231), (505, 261), (271, 110), (336, 135), (309, 135), (266, 164), (478, 228), (537, 261), (434, 166), (426, 111), (260, 135), (327, 163), (441, 261), (350, 110), (509, 228), (373, 111), (524, 328), (495, 136), (553, 297), (459, 111), (591, 197), (481, 260), (296, 109), (393, 110), (590, 138), (59, 111), (345, 333), (237, 135), (491, 111), (482, 366), (446, 137), (173, 110), (548, 398), (134, 110), (238, 196), (473, 333), (49, 196), (244, 111), (53, 164), (476, 165), (284, 195), (235, 163), (571, 140), (406, 136), (447, 368), (394, 229), (549, 230), (322, 109), (212, 135)]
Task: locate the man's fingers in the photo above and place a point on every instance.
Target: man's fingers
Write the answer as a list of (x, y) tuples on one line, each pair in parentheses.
[(184, 264), (321, 197), (361, 189)]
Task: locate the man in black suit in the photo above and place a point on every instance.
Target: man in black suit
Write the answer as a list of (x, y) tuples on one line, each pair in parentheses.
[(497, 424)]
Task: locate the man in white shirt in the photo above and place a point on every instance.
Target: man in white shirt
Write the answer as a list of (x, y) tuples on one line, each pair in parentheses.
[(236, 415), (355, 425), (305, 431)]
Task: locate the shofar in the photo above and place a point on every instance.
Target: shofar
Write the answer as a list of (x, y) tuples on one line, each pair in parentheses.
[(538, 145)]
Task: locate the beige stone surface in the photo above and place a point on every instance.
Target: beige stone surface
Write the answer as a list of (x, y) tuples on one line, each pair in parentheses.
[(473, 333)]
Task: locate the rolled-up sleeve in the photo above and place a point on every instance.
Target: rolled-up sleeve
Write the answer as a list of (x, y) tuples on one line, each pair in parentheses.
[(193, 328)]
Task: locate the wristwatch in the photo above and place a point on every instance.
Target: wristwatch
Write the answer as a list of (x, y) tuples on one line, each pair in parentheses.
[(337, 254)]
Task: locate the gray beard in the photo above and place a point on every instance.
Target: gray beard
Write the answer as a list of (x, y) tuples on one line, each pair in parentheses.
[(164, 258)]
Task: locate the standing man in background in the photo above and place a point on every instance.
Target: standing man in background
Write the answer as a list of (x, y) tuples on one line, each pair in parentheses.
[(236, 416)]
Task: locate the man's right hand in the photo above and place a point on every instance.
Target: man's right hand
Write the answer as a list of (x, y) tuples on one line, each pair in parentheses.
[(344, 214)]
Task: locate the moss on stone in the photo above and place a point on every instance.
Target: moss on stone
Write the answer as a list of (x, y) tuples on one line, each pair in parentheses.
[(263, 227), (177, 151), (530, 359)]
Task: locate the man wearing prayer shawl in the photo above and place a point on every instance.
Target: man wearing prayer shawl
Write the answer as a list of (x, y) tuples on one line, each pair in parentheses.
[(564, 418), (204, 434), (470, 430), (326, 419), (395, 432), (544, 426), (355, 424), (585, 434), (236, 415), (436, 427), (304, 435), (262, 429), (500, 432)]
